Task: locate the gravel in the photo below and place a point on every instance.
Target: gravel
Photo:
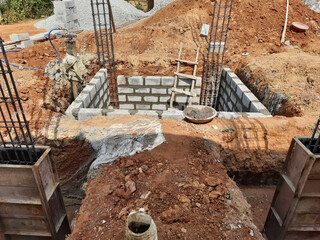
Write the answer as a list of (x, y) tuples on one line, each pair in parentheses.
[(122, 12), (313, 4)]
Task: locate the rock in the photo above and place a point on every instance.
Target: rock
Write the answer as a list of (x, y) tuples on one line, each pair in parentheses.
[(211, 181), (214, 195), (123, 212), (162, 195), (129, 163), (198, 205), (130, 186), (121, 193), (183, 199), (106, 189), (145, 195), (172, 215), (183, 230)]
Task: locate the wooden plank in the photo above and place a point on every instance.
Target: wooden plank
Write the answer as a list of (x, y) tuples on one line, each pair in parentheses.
[(17, 237), (315, 172), (311, 187), (23, 195), (26, 234), (25, 225), (21, 211), (183, 92), (309, 205), (302, 235), (185, 75), (305, 219), (186, 62), (16, 176), (283, 200), (47, 176)]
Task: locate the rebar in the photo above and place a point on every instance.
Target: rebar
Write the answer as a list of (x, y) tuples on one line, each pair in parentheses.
[(16, 144), (219, 33), (104, 27), (314, 143)]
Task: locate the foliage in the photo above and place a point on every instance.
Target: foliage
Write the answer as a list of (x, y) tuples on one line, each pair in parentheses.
[(15, 10)]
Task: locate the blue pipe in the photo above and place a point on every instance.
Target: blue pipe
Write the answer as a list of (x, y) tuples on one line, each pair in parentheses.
[(54, 29), (31, 68)]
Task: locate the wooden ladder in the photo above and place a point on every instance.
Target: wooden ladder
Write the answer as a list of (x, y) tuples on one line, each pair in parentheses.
[(178, 75)]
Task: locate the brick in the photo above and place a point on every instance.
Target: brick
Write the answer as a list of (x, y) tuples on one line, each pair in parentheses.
[(97, 82), (198, 82), (125, 90), (164, 99), (91, 90), (147, 112), (153, 81), (75, 105), (176, 115), (134, 98), (183, 82), (122, 80), (85, 98), (150, 99), (102, 73), (159, 90), (19, 37), (27, 43), (142, 90), (118, 112), (136, 80), (159, 107), (85, 114), (182, 100), (143, 106), (204, 30), (122, 98), (126, 106), (167, 81)]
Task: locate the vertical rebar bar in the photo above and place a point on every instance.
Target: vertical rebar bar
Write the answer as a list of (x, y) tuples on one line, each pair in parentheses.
[(314, 143), (103, 26), (15, 135), (219, 33)]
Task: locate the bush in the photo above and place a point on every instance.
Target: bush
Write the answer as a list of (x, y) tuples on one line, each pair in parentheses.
[(15, 10)]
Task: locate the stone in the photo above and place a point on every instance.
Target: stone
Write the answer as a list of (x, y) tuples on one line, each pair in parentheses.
[(136, 80), (214, 195), (130, 186)]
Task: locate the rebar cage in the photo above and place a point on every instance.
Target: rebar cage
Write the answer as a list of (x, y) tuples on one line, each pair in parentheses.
[(218, 38), (16, 144), (103, 26)]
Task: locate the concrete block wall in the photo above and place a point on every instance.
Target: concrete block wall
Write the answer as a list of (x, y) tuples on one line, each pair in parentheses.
[(234, 96), (96, 95), (153, 92), (67, 13)]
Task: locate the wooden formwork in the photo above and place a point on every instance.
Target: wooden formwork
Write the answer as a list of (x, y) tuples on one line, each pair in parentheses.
[(295, 209), (31, 204)]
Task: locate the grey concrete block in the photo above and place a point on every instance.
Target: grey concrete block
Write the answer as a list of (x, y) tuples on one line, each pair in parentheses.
[(85, 114), (125, 90), (27, 43), (198, 82), (198, 91), (159, 90), (143, 106), (19, 37), (196, 100), (228, 115), (118, 112), (153, 81), (173, 114), (167, 81), (85, 98), (136, 80), (122, 98), (164, 99), (126, 106), (75, 105), (142, 90), (97, 81), (256, 115), (182, 99), (147, 112), (102, 73), (134, 98), (184, 82), (150, 99), (217, 47), (121, 80), (159, 106)]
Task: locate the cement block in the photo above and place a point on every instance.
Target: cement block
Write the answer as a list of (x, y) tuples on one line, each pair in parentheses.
[(75, 105), (198, 91), (85, 114), (121, 80), (182, 99), (118, 112), (153, 81), (175, 115), (204, 30), (125, 90), (143, 106), (122, 98), (159, 91), (27, 43), (147, 112), (91, 90), (198, 82), (126, 106), (134, 98), (228, 115), (218, 46), (164, 99), (196, 100), (159, 106), (150, 99), (142, 90), (256, 115), (19, 37), (97, 82), (102, 73), (136, 80), (183, 82), (167, 81), (85, 98)]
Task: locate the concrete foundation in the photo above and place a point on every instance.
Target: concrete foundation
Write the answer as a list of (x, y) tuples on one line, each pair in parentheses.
[(150, 95)]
